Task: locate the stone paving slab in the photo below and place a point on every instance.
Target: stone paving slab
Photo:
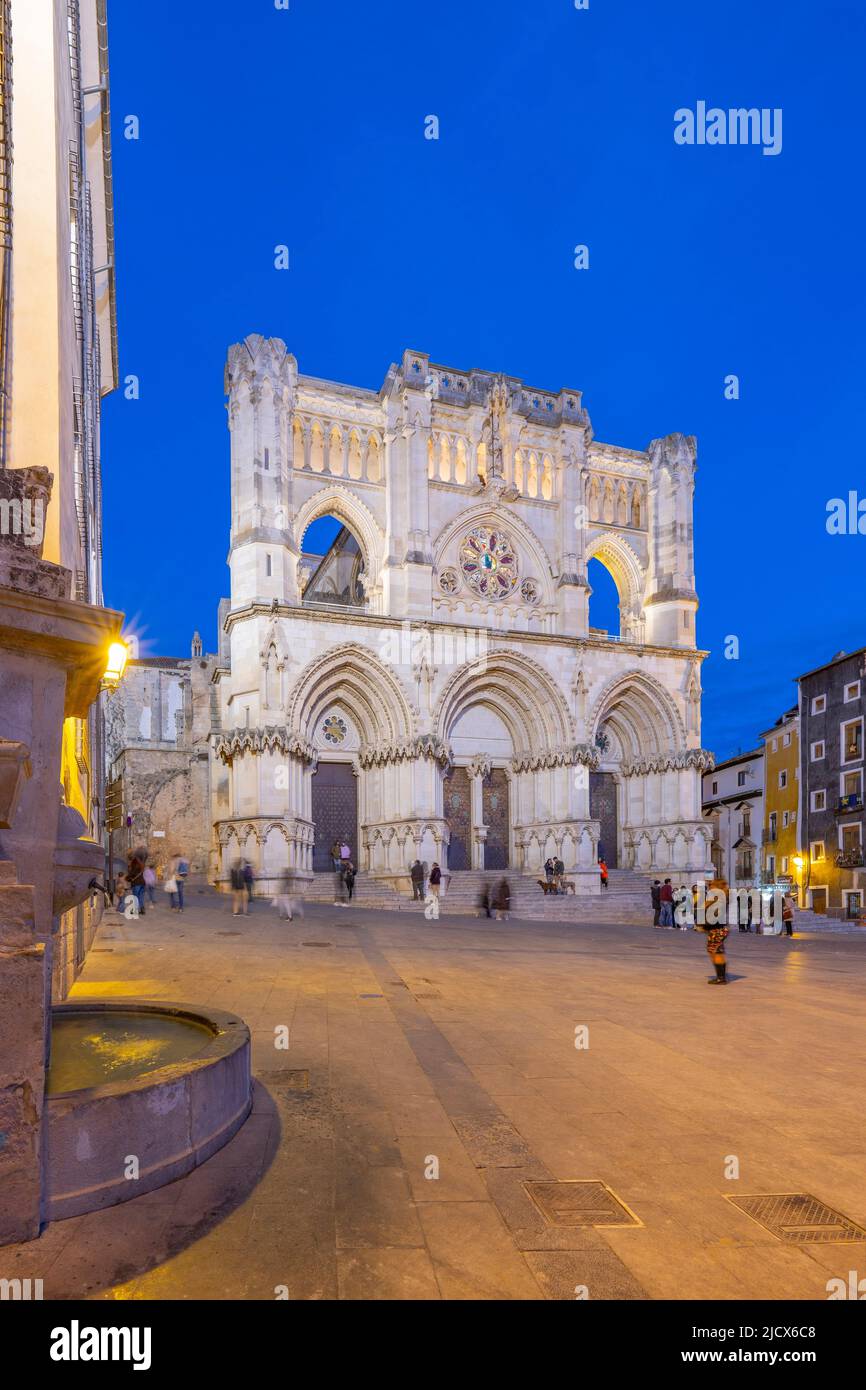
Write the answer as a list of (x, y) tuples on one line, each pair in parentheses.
[(455, 1042)]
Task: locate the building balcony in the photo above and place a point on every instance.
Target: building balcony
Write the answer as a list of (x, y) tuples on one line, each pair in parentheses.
[(850, 859), (847, 804), (769, 837)]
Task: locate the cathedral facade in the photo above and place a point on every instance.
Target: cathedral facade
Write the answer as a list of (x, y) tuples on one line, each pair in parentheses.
[(427, 684)]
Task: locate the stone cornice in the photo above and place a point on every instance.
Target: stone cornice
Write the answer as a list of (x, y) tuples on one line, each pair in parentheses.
[(425, 746), (698, 758), (383, 620), (271, 739), (579, 754)]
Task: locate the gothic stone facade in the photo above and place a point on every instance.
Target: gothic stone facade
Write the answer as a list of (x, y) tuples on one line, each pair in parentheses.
[(458, 707), (158, 729)]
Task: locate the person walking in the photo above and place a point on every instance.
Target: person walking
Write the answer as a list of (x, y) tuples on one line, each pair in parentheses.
[(416, 873), (180, 868), (136, 861), (655, 897), (716, 937), (435, 883), (666, 900), (503, 901), (788, 913), (149, 876), (249, 881), (483, 906), (349, 879), (431, 900), (602, 869), (548, 873), (283, 900), (558, 873), (240, 897)]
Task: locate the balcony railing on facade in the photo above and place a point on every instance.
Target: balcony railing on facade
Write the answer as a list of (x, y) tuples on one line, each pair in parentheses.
[(769, 837), (846, 804), (850, 859)]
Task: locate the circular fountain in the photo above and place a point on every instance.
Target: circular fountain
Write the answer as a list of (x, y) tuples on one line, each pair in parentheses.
[(138, 1093)]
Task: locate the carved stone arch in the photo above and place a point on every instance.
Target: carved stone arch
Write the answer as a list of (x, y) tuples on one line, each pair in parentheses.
[(534, 560), (624, 565), (282, 828), (339, 501), (519, 690), (644, 715), (353, 677)]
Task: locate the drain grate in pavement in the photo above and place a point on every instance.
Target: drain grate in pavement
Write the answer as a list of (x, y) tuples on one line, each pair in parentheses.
[(317, 943), (580, 1203), (289, 1080), (102, 950), (433, 994), (228, 933), (799, 1217)]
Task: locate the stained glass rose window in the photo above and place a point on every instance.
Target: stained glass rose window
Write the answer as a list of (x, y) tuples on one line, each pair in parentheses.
[(488, 562)]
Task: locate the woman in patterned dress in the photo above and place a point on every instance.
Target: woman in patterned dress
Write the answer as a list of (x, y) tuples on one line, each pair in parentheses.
[(716, 951)]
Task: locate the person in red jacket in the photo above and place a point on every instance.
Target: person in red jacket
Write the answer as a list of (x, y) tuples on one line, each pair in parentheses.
[(602, 869)]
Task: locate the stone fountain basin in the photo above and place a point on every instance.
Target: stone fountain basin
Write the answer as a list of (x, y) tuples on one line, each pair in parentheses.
[(112, 1142)]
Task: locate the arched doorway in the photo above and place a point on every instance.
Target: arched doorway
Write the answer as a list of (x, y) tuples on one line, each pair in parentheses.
[(457, 812), (334, 789), (603, 808)]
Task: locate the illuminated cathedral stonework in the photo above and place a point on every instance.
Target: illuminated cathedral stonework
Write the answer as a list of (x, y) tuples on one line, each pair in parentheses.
[(430, 687)]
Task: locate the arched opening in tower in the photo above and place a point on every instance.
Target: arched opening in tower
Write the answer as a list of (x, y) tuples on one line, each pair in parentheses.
[(331, 570), (604, 615)]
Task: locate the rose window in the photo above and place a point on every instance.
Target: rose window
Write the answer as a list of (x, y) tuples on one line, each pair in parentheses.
[(334, 729), (488, 562)]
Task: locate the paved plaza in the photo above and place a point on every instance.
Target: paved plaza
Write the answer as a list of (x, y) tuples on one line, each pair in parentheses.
[(450, 1046)]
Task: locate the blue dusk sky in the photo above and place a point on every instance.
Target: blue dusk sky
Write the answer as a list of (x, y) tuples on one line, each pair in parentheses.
[(261, 126)]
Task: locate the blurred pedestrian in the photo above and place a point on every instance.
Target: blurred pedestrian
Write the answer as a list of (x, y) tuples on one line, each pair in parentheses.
[(416, 873), (666, 899), (503, 901), (788, 913), (149, 876), (483, 905), (240, 897), (249, 879), (602, 869), (136, 860), (349, 879), (655, 897)]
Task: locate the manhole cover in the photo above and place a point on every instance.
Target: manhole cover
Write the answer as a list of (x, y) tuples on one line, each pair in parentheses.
[(317, 943), (798, 1216), (580, 1203)]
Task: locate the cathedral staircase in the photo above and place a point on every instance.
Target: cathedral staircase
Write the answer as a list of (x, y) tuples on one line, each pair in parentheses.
[(626, 900)]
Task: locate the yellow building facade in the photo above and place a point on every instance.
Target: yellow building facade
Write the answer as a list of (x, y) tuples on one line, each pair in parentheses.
[(781, 799)]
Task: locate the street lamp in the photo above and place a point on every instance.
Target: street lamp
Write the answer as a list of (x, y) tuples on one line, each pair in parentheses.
[(115, 664)]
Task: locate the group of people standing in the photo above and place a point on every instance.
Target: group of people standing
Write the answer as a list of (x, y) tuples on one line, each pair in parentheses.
[(426, 887), (141, 879)]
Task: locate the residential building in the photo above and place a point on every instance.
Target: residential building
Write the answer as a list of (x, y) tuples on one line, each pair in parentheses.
[(733, 805), (831, 771), (779, 839)]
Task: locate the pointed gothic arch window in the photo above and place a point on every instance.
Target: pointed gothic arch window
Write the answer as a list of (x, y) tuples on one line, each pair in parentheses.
[(332, 568)]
